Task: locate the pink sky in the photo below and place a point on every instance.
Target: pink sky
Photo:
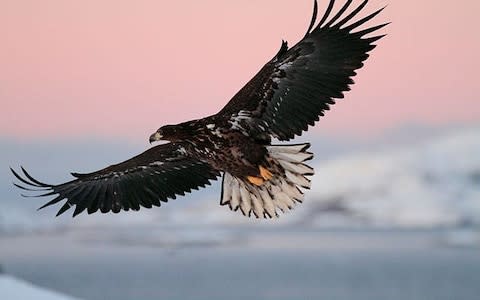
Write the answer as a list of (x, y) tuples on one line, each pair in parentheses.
[(124, 68)]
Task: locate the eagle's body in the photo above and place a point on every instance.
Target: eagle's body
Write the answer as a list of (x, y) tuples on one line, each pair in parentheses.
[(287, 95), (223, 147)]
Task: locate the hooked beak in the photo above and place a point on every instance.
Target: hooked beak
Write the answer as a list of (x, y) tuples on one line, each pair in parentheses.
[(155, 137)]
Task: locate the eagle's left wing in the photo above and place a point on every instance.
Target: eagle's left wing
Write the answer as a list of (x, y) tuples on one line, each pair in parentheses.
[(160, 173), (293, 89)]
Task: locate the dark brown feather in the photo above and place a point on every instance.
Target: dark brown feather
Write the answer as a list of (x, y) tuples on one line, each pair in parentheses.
[(144, 180), (293, 89)]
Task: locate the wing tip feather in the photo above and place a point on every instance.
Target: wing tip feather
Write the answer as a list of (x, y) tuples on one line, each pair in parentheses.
[(326, 14), (314, 18)]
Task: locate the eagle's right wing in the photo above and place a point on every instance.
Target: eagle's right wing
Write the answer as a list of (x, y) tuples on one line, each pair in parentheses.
[(160, 173), (300, 83)]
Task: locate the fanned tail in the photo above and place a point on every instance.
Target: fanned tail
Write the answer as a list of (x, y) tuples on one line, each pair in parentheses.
[(279, 194)]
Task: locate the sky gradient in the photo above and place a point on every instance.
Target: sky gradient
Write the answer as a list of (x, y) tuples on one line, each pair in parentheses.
[(124, 68)]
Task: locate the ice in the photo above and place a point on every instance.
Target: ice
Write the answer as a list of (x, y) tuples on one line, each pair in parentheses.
[(16, 289)]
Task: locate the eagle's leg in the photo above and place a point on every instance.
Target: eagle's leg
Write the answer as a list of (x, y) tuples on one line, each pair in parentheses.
[(265, 175), (258, 181)]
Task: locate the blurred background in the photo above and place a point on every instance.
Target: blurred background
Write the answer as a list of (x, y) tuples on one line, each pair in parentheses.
[(394, 209)]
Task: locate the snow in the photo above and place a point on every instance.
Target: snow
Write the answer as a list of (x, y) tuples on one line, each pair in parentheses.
[(431, 184), (435, 183), (16, 289)]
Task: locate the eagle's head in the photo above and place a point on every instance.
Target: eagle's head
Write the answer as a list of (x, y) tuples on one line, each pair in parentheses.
[(172, 133)]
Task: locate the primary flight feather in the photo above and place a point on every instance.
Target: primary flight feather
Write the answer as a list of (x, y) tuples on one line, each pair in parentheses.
[(287, 95)]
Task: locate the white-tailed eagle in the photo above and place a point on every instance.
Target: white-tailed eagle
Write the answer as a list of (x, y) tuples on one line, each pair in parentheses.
[(287, 95)]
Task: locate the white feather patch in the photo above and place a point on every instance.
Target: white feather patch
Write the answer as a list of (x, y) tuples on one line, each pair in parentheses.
[(292, 191), (287, 149), (245, 201), (296, 168), (227, 189), (257, 206), (294, 157), (235, 200), (299, 180), (285, 200), (267, 202), (280, 193)]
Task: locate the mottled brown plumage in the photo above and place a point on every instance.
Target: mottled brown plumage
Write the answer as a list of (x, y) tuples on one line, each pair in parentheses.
[(287, 95)]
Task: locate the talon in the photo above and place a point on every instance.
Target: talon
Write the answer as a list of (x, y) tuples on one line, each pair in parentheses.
[(258, 181), (266, 174)]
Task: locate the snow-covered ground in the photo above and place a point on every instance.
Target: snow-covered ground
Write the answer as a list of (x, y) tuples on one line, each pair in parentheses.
[(16, 289), (433, 183)]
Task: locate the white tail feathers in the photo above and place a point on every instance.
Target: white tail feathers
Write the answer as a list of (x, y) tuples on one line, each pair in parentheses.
[(278, 194)]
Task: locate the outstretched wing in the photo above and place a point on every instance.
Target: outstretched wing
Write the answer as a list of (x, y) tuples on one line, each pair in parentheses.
[(160, 173), (293, 89)]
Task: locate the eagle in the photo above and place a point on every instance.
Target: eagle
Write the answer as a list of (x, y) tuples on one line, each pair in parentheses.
[(261, 179)]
